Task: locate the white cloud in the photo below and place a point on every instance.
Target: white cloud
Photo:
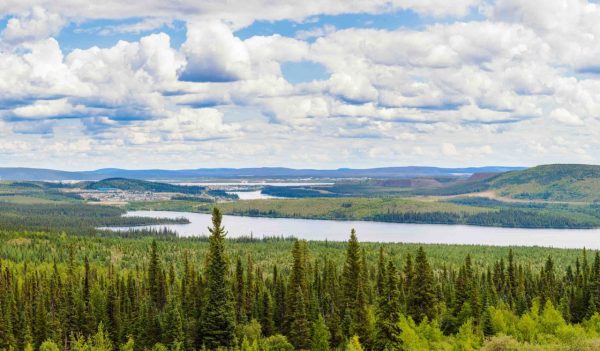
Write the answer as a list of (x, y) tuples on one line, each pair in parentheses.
[(33, 25), (48, 108), (566, 117), (214, 54), (456, 87), (448, 149), (239, 13)]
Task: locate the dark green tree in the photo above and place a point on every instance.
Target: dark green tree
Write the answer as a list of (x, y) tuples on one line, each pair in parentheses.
[(389, 313), (422, 301), (218, 318)]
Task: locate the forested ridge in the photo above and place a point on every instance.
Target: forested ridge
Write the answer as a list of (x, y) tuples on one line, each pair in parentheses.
[(74, 218), (89, 293)]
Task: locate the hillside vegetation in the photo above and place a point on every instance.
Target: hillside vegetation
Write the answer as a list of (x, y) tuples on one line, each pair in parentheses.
[(81, 293), (142, 185), (396, 210), (564, 182)]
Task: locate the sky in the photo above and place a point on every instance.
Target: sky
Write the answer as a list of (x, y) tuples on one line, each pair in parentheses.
[(304, 84)]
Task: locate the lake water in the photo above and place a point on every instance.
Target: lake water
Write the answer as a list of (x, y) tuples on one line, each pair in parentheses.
[(252, 195), (380, 232)]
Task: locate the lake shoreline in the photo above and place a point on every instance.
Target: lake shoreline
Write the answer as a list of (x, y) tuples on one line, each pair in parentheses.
[(377, 221), (382, 232)]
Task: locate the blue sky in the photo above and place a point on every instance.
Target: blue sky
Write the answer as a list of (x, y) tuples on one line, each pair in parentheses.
[(311, 84)]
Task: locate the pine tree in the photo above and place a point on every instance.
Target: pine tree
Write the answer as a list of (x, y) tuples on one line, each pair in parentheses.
[(362, 318), (240, 295), (156, 278), (299, 333), (49, 345), (279, 301), (266, 315), (249, 290), (351, 274), (511, 277), (389, 313), (299, 326), (350, 282), (218, 318), (101, 341), (354, 344), (422, 298), (320, 335), (112, 313), (548, 282), (381, 274), (172, 324)]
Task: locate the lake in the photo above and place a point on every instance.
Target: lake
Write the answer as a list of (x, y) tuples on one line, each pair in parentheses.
[(380, 232), (252, 195)]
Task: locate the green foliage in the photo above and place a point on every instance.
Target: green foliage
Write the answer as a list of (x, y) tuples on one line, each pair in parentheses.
[(421, 291), (277, 343), (559, 182), (142, 185), (134, 294), (49, 345), (73, 218), (320, 337), (354, 344), (403, 210), (218, 318)]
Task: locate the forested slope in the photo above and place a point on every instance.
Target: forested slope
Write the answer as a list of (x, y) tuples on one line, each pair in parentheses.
[(83, 293), (558, 182), (143, 185)]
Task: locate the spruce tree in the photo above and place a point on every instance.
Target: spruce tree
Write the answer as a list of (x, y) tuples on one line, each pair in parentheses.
[(172, 324), (388, 313), (218, 318), (250, 298), (351, 274), (266, 315), (155, 278), (422, 301), (299, 333), (320, 335), (240, 296), (299, 326), (381, 274)]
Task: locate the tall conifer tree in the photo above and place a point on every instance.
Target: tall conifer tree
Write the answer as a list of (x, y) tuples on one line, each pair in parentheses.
[(217, 325)]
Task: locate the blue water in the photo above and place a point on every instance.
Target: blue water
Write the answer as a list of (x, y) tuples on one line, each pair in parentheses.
[(380, 232)]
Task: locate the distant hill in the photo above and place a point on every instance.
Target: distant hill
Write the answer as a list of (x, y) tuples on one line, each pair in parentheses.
[(558, 182), (241, 173), (142, 185), (20, 173)]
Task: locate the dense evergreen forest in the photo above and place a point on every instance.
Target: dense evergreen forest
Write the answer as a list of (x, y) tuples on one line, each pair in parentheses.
[(75, 218), (90, 293)]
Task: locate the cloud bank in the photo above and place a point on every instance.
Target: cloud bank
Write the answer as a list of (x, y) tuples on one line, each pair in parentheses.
[(471, 83)]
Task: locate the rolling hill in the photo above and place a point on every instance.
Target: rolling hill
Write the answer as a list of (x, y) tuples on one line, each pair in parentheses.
[(557, 182), (142, 185)]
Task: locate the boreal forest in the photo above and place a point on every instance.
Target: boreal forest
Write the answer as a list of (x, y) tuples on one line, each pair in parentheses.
[(62, 291)]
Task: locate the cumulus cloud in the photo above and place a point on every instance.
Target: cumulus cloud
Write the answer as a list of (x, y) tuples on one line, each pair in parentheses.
[(239, 13), (48, 109), (446, 88), (214, 54), (32, 25), (566, 117)]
